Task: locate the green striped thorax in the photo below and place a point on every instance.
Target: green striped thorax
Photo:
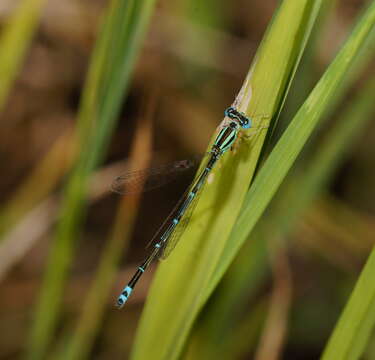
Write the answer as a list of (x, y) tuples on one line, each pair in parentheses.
[(228, 134)]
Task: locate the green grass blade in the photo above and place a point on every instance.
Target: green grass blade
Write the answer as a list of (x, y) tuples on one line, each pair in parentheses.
[(248, 270), (181, 281), (287, 149), (213, 336), (355, 326), (304, 189), (83, 337), (108, 79), (306, 74), (14, 42), (334, 149)]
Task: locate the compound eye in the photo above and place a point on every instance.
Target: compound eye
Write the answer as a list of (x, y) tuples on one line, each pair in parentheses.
[(228, 112), (246, 124)]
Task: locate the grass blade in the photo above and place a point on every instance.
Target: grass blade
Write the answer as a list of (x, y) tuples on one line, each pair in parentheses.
[(108, 79), (14, 42), (287, 149), (301, 189), (82, 339), (246, 272), (355, 326)]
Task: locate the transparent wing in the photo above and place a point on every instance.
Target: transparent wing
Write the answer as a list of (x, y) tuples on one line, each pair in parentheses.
[(175, 236), (178, 230), (151, 178)]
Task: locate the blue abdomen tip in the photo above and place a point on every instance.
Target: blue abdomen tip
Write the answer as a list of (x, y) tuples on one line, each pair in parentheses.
[(121, 300)]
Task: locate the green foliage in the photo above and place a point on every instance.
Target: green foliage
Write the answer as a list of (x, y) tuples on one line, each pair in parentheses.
[(299, 191), (287, 149), (227, 240)]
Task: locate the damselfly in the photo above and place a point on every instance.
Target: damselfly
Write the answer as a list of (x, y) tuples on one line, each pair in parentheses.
[(169, 233)]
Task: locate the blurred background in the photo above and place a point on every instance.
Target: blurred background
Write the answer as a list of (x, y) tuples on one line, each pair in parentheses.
[(193, 61)]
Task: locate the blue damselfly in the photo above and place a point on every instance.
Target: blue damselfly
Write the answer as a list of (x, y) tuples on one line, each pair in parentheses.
[(170, 232)]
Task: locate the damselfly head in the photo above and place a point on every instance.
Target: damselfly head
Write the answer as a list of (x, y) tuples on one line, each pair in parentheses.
[(239, 117), (245, 122)]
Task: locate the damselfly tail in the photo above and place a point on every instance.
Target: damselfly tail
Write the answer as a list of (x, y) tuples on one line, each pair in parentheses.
[(124, 296)]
